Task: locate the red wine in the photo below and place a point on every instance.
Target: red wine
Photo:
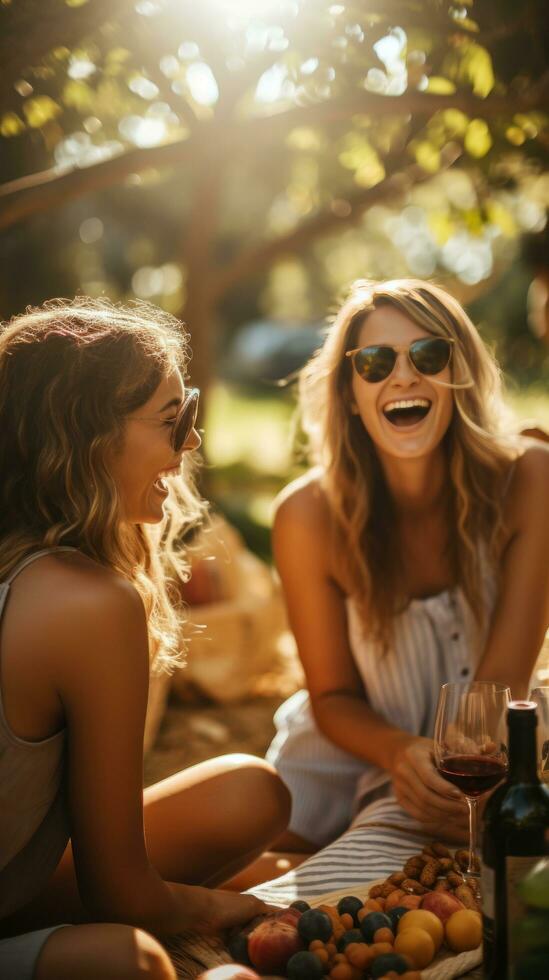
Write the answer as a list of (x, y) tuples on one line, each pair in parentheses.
[(473, 774)]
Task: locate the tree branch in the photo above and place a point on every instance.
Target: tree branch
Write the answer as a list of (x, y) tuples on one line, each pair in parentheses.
[(22, 46), (39, 192), (256, 258)]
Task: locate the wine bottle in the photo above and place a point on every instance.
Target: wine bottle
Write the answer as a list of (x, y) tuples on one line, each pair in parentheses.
[(515, 838)]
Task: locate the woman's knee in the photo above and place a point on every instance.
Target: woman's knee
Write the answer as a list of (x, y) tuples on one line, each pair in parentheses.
[(257, 781), (106, 950)]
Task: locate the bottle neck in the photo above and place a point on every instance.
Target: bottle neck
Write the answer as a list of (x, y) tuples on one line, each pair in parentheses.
[(523, 753)]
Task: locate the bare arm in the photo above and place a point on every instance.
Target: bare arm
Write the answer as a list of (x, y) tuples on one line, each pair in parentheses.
[(317, 613), (102, 671), (521, 616)]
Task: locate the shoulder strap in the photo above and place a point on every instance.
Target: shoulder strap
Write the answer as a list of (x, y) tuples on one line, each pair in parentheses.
[(30, 558)]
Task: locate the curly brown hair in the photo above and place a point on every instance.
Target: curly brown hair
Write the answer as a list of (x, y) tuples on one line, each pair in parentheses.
[(70, 371)]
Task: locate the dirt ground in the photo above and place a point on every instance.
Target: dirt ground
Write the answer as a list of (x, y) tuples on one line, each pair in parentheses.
[(196, 731)]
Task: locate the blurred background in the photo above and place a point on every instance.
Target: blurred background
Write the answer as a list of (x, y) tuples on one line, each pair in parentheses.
[(240, 162)]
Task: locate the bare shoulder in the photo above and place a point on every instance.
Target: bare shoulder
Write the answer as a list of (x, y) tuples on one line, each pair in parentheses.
[(303, 501), (529, 486), (66, 595)]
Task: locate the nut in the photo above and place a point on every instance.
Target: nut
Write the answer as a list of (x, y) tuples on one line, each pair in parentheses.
[(441, 885), (440, 850), (413, 887), (430, 873), (466, 896), (386, 889), (375, 891), (428, 851), (462, 858), (454, 879), (413, 867), (445, 864), (397, 878)]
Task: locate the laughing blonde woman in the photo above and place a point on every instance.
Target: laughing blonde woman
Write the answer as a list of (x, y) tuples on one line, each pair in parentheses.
[(413, 553), (96, 427)]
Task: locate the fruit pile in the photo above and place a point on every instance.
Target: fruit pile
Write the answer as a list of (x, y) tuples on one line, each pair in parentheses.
[(356, 940), (396, 932)]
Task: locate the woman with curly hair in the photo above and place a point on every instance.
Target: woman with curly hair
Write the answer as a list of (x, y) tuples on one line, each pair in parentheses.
[(414, 553), (96, 491)]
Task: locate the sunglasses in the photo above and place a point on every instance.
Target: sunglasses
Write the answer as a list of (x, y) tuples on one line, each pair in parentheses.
[(184, 421), (430, 355)]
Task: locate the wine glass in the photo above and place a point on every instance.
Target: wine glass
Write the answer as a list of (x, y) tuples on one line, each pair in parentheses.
[(541, 696), (471, 743)]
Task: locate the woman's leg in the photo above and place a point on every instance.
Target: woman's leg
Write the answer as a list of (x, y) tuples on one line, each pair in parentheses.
[(202, 826), (109, 952)]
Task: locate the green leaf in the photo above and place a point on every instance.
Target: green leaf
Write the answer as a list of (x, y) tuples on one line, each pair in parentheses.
[(40, 110), (455, 121), (427, 155), (78, 95), (11, 124), (477, 140), (440, 86)]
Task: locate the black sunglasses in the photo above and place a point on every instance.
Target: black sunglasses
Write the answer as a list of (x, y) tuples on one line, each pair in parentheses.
[(185, 420), (430, 355)]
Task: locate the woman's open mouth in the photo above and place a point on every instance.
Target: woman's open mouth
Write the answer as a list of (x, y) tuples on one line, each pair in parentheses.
[(406, 412), (161, 485)]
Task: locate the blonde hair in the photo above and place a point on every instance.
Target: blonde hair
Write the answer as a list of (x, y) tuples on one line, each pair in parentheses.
[(479, 448), (70, 371)]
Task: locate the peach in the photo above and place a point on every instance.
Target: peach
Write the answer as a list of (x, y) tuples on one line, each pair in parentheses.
[(229, 971), (271, 944), (442, 904)]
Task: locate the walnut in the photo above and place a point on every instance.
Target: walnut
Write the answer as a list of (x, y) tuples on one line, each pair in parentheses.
[(445, 864), (430, 873), (413, 887), (428, 851), (440, 850)]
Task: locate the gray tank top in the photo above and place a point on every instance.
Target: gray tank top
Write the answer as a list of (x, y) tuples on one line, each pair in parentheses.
[(34, 825)]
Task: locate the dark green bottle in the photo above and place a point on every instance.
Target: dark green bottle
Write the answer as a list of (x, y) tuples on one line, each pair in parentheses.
[(515, 838)]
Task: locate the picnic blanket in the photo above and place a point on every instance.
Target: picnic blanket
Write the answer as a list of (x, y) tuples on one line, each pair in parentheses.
[(379, 842)]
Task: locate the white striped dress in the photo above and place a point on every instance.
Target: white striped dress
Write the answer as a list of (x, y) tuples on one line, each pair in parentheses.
[(436, 641)]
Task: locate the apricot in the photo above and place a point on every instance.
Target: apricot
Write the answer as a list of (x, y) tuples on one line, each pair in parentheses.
[(393, 900), (378, 948), (372, 905), (341, 971), (384, 935), (359, 955), (417, 945), (464, 930), (346, 921), (422, 919), (410, 901)]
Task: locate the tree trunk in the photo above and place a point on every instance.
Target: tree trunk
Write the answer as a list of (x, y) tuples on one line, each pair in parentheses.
[(198, 259)]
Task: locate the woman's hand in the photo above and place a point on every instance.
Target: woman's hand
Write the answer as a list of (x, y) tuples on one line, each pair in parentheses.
[(424, 794), (214, 910)]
